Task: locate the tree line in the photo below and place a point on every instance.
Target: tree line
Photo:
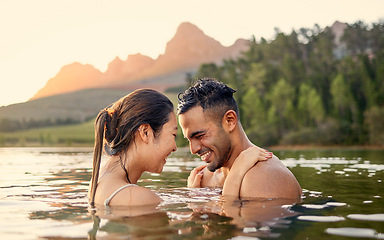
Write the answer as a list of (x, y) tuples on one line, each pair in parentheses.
[(309, 87), (13, 125)]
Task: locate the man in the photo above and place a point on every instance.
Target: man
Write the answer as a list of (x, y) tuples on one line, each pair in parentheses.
[(209, 118)]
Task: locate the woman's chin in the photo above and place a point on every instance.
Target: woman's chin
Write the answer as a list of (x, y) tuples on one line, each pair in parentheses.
[(160, 169)]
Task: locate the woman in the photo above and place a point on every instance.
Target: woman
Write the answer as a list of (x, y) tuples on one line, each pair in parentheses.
[(138, 133)]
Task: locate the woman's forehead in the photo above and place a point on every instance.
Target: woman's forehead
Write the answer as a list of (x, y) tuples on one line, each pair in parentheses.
[(171, 125)]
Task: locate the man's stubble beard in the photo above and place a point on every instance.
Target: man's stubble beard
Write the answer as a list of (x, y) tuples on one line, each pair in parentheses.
[(222, 160)]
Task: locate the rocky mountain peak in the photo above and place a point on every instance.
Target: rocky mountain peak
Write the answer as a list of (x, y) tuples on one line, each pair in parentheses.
[(190, 41), (185, 52)]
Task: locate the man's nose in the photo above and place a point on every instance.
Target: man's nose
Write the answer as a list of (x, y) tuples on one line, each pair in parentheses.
[(194, 146)]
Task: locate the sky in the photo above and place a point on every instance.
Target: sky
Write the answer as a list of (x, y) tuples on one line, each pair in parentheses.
[(39, 37)]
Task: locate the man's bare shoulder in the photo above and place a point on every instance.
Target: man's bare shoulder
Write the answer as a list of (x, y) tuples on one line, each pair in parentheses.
[(270, 179)]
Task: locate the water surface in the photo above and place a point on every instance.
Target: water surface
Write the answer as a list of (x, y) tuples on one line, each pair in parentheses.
[(43, 196)]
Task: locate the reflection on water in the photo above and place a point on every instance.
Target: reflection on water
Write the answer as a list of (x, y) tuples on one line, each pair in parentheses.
[(43, 195)]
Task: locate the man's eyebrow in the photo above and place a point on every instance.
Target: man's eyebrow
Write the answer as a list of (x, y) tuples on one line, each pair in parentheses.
[(194, 134)]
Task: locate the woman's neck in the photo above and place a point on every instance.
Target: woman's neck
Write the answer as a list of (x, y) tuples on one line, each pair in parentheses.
[(123, 165)]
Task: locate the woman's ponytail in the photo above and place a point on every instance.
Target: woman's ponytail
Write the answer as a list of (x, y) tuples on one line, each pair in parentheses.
[(97, 152)]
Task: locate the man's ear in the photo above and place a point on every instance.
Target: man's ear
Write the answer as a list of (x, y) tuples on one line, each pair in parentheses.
[(145, 132), (229, 121)]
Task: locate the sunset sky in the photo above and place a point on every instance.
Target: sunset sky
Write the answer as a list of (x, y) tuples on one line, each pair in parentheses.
[(39, 37)]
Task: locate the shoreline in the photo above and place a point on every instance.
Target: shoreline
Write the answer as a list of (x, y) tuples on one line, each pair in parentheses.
[(308, 147), (275, 147)]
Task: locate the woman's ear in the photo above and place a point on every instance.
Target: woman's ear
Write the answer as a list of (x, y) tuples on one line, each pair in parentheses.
[(145, 132), (229, 121)]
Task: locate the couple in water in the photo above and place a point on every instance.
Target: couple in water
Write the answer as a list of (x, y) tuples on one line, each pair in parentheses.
[(138, 134)]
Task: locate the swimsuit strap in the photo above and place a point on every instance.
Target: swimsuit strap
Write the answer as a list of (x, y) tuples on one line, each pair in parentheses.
[(108, 200)]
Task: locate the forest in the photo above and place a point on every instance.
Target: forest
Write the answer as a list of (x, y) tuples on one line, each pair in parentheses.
[(310, 87)]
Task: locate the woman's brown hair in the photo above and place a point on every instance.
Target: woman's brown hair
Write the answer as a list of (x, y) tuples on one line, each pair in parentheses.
[(115, 126)]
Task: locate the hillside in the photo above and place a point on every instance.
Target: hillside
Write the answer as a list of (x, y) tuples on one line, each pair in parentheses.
[(79, 134), (78, 106)]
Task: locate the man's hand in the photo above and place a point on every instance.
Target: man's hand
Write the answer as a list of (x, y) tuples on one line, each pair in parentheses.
[(195, 177)]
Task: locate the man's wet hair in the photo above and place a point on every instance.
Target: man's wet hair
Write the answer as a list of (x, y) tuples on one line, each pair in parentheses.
[(213, 96)]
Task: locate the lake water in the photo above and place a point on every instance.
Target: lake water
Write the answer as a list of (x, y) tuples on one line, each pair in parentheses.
[(43, 196)]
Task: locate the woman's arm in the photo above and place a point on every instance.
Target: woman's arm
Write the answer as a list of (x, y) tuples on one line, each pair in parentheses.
[(195, 177), (201, 177), (245, 161)]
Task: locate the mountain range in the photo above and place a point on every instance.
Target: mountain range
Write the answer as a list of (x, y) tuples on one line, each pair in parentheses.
[(184, 53), (79, 91)]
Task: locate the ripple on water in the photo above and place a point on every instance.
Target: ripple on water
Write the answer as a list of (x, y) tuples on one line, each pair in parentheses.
[(335, 204), (321, 218), (314, 206), (323, 206), (369, 167), (188, 195), (379, 217), (355, 232)]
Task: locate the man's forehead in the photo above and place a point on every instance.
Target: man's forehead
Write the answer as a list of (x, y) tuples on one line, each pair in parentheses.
[(193, 120), (192, 115), (195, 109)]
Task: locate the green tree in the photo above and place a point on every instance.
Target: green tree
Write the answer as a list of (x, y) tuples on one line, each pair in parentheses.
[(310, 107), (253, 109), (342, 97), (281, 112), (374, 122), (295, 84), (256, 78), (210, 70)]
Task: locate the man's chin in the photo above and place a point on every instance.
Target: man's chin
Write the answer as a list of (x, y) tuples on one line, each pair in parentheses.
[(212, 167)]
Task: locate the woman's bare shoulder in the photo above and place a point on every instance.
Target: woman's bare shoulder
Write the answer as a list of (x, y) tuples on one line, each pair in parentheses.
[(135, 196)]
